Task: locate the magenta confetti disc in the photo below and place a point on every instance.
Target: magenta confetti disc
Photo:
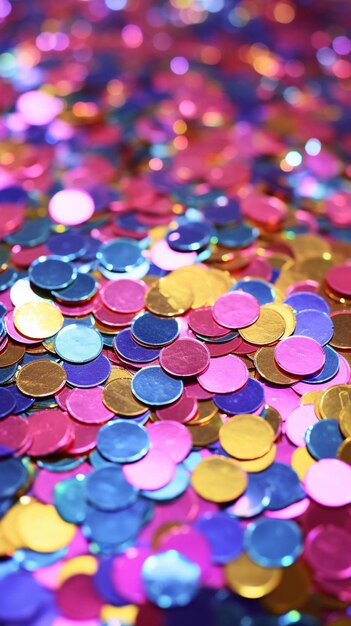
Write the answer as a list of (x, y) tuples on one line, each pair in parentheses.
[(224, 374), (172, 437), (224, 347), (283, 399), (14, 435), (124, 296), (126, 574), (86, 406), (339, 279), (328, 482), (84, 437), (341, 378), (71, 207), (236, 309), (194, 390), (299, 355), (298, 421), (263, 209), (78, 599), (50, 430), (185, 357), (328, 551), (190, 543), (182, 411), (62, 396), (201, 321), (292, 511), (155, 470), (112, 318)]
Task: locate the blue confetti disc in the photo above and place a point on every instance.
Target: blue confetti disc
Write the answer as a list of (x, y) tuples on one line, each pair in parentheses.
[(139, 271), (30, 560), (224, 534), (32, 233), (114, 527), (175, 488), (273, 542), (69, 245), (60, 465), (314, 324), (260, 289), (24, 598), (51, 273), (7, 402), (307, 300), (123, 441), (83, 288), (5, 504), (323, 439), (107, 489), (120, 255), (89, 374), (228, 337), (192, 236), (247, 400), (170, 579), (220, 215), (239, 236), (70, 499), (130, 350), (91, 248), (77, 343), (13, 476), (23, 402), (97, 460), (154, 387), (103, 583), (329, 369), (8, 278), (283, 484), (155, 331), (254, 500)]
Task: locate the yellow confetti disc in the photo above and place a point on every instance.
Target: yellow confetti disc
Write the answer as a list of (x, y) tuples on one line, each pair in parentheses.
[(116, 615), (85, 564), (169, 297), (334, 400), (246, 436), (41, 378), (250, 580), (287, 313), (344, 451), (258, 465), (38, 320), (292, 591), (269, 327), (219, 479), (42, 529), (118, 397), (301, 461), (117, 373), (205, 434)]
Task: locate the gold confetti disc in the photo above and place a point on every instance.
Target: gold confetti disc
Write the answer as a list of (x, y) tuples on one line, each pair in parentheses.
[(169, 297), (287, 313), (205, 434), (38, 320), (258, 465), (269, 327), (42, 529), (118, 373), (269, 370), (301, 461), (219, 479), (334, 400), (11, 354), (118, 397), (344, 451), (246, 436), (250, 580), (291, 592), (40, 379)]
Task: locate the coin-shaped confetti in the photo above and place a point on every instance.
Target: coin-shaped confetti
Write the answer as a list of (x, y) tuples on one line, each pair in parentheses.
[(236, 309), (38, 320), (246, 436), (185, 357), (118, 397), (41, 378), (77, 343), (299, 355), (219, 479), (224, 374), (154, 387)]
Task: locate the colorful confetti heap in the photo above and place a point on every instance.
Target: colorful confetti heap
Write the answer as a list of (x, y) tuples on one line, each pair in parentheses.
[(175, 313)]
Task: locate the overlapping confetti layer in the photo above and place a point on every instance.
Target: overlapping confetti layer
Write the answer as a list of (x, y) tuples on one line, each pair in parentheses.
[(175, 329)]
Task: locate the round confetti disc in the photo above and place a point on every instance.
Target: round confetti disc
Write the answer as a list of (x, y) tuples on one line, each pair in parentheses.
[(71, 207), (155, 470), (250, 580), (41, 378), (86, 406), (123, 441), (171, 437), (185, 357), (52, 272), (124, 297), (154, 331), (224, 374), (236, 309), (273, 542), (77, 343), (108, 490), (299, 355), (327, 482), (338, 278), (246, 436), (42, 529), (91, 374), (38, 320), (219, 479), (269, 327), (152, 386), (118, 397)]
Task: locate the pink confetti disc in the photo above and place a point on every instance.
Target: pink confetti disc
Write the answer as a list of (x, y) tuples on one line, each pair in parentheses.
[(126, 574), (224, 374), (298, 421), (190, 543), (263, 209), (299, 355), (172, 437), (167, 259), (185, 357), (201, 321), (194, 390), (77, 311), (62, 396), (71, 207), (283, 399), (84, 437), (14, 435), (79, 586), (111, 318), (236, 309), (224, 347), (86, 406), (293, 511), (327, 550), (50, 431), (182, 411), (124, 296), (338, 279), (328, 482), (38, 108), (155, 470), (341, 378)]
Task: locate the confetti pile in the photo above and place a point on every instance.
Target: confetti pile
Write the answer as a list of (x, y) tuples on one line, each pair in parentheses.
[(175, 313)]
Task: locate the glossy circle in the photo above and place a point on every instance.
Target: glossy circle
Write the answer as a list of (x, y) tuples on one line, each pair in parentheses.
[(247, 400), (170, 579), (260, 289), (299, 355), (154, 387), (236, 309), (225, 374), (118, 397), (218, 479), (154, 471), (249, 579), (323, 439), (329, 369), (327, 550), (338, 278), (190, 236), (38, 320), (307, 300), (82, 288), (129, 349), (51, 272), (108, 490), (69, 498), (268, 328), (41, 378), (315, 324), (122, 441), (154, 331), (224, 534), (171, 437), (86, 406), (185, 357), (328, 482), (91, 374), (71, 207), (246, 436), (78, 343), (7, 402), (13, 475), (273, 542), (42, 529), (124, 297), (120, 255)]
